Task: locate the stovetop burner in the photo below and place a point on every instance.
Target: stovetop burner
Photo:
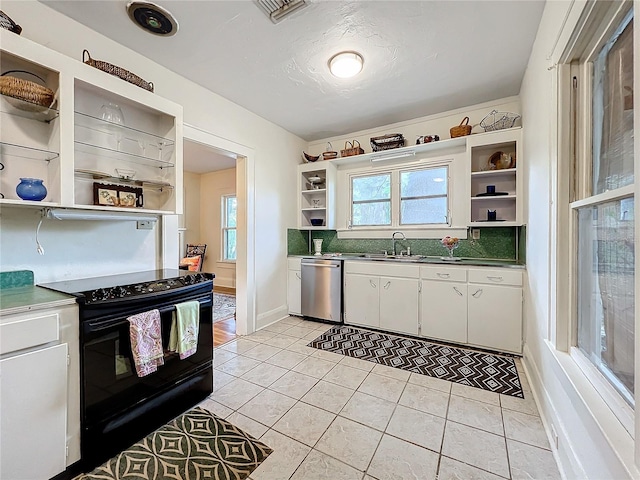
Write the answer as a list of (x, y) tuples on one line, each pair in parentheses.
[(114, 287)]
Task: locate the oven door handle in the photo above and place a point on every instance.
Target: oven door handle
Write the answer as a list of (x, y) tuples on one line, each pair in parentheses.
[(100, 325)]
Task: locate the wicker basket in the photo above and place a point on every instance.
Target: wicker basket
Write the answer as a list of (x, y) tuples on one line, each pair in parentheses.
[(26, 90), (120, 72), (309, 158), (387, 142), (8, 24), (496, 120), (329, 154), (353, 150), (461, 130)]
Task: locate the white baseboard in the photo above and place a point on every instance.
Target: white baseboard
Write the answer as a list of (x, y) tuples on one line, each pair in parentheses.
[(590, 445), (272, 316), (547, 412)]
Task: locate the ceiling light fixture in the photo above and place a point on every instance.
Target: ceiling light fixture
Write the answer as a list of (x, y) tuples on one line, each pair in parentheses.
[(152, 18), (346, 64)]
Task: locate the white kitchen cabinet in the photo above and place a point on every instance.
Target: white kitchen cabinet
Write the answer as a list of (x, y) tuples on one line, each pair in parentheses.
[(361, 300), (84, 160), (399, 305), (34, 411), (316, 195), (495, 310), (472, 306), (443, 312), (506, 178), (39, 392), (294, 286), (382, 296)]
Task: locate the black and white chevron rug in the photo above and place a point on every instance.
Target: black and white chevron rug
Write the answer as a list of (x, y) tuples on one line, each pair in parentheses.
[(468, 367)]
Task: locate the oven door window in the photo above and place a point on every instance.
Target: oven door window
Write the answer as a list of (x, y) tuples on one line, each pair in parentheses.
[(110, 382)]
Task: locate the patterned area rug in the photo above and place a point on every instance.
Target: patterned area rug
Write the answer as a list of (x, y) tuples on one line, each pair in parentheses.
[(224, 306), (468, 367), (195, 446)]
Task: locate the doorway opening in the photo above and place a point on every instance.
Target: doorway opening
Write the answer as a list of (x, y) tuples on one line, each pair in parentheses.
[(218, 212)]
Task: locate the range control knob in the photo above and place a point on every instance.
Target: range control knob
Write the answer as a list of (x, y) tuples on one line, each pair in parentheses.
[(99, 294), (119, 292)]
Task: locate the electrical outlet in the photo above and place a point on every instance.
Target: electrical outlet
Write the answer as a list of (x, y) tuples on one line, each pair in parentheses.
[(475, 233), (144, 225)]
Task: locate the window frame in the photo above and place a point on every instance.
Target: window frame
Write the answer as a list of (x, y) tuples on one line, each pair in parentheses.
[(575, 105), (458, 185), (225, 228), (446, 196), (360, 202)]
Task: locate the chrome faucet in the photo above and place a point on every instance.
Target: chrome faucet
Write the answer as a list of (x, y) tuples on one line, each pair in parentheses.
[(393, 240)]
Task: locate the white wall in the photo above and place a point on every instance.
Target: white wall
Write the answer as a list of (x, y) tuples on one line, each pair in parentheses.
[(276, 154), (213, 186), (589, 447), (74, 249), (191, 215)]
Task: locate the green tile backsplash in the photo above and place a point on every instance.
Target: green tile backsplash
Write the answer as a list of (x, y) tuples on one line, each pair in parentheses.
[(18, 278), (500, 242)]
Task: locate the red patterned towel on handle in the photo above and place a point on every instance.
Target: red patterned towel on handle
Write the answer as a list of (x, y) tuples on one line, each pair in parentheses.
[(146, 341)]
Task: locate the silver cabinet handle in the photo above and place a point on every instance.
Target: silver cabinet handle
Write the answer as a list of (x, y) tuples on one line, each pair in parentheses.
[(477, 294), (443, 275), (458, 291), (322, 265), (495, 279), (372, 284), (298, 275), (387, 285)]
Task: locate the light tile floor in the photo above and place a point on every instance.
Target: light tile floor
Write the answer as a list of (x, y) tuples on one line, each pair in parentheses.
[(327, 416)]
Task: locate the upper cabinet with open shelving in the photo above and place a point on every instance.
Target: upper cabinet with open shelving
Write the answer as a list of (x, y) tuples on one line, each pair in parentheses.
[(491, 179), (496, 179), (84, 152)]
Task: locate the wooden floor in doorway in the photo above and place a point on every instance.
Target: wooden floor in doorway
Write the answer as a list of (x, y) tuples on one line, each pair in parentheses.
[(224, 331)]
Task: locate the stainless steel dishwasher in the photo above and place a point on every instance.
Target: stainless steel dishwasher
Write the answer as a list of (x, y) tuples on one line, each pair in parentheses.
[(322, 289)]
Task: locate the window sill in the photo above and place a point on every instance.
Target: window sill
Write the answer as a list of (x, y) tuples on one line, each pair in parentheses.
[(619, 439), (229, 262), (621, 409), (410, 232)]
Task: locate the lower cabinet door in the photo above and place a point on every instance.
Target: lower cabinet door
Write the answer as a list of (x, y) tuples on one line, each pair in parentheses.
[(294, 292), (33, 415), (443, 310), (399, 305), (361, 300), (495, 317)]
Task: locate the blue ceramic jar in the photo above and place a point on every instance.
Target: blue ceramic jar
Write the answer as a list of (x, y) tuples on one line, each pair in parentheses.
[(31, 189)]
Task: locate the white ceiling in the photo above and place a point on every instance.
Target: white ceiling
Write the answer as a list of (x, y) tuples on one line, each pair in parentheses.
[(200, 158), (421, 57)]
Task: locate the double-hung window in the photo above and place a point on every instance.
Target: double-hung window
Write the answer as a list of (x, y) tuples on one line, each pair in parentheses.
[(229, 225), (400, 197), (371, 200), (423, 196), (602, 208)]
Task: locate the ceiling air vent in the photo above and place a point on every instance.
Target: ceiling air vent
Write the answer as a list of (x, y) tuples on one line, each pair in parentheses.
[(277, 10)]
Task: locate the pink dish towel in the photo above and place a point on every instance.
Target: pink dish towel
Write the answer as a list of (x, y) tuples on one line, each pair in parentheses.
[(146, 341)]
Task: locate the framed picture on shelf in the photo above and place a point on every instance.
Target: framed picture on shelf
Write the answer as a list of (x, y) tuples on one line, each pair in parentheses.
[(117, 195)]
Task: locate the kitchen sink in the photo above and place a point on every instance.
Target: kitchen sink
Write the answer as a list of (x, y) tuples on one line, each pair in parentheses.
[(401, 258)]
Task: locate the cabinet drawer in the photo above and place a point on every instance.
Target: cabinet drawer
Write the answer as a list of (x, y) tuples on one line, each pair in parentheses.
[(496, 277), (28, 332), (294, 263), (385, 269), (448, 274)]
